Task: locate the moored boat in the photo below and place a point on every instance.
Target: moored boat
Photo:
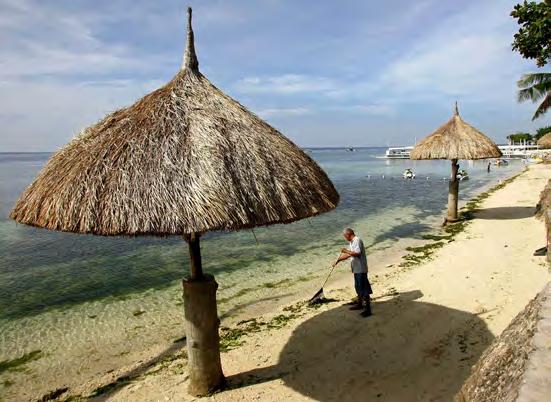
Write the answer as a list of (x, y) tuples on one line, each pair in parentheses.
[(397, 153)]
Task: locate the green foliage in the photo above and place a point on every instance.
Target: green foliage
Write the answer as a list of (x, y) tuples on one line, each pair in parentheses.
[(533, 40), (232, 338), (534, 87), (520, 137), (540, 132)]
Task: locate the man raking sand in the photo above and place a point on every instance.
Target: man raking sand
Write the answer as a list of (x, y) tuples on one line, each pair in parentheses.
[(358, 263)]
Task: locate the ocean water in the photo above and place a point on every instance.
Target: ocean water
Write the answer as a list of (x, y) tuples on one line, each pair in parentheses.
[(82, 298)]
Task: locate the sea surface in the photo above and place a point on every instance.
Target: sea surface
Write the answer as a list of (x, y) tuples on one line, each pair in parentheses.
[(68, 295)]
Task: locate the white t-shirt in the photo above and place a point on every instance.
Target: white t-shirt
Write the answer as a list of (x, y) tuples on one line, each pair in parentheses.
[(358, 264)]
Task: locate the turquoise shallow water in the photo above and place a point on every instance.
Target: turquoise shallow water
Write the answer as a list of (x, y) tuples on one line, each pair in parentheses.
[(41, 270)]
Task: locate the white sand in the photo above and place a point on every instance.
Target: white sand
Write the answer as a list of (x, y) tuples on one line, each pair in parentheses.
[(419, 345)]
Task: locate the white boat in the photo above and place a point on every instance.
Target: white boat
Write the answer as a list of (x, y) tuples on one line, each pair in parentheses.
[(513, 151), (462, 175), (397, 153), (500, 162)]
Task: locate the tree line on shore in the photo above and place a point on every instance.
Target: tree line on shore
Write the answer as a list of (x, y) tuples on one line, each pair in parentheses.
[(528, 137)]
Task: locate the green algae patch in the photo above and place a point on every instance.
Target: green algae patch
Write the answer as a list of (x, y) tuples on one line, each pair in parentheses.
[(427, 248), (435, 237), (419, 254), (19, 363), (231, 338)]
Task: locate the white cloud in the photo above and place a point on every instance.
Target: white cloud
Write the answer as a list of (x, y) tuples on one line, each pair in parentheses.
[(285, 84), (283, 112), (466, 55), (43, 116), (48, 57), (372, 109), (40, 40)]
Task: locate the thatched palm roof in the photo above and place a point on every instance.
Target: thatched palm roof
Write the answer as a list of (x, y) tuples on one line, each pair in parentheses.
[(545, 141), (184, 158), (456, 140)]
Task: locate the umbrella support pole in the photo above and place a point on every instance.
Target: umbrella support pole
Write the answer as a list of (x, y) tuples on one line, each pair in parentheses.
[(202, 337), (201, 326), (453, 194)]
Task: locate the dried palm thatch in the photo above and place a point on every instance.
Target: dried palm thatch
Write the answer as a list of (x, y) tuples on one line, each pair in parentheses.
[(185, 158), (456, 140), (545, 141)]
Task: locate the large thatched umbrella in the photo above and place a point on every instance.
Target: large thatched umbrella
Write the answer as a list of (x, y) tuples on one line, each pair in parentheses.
[(453, 141), (183, 160), (545, 141)]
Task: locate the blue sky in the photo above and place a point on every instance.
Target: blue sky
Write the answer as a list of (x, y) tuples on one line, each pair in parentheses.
[(325, 73)]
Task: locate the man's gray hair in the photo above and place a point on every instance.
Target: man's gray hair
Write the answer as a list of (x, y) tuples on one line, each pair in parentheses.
[(348, 231)]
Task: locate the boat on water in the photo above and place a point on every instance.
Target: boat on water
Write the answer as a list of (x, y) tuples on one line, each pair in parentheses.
[(501, 162), (511, 151), (534, 159), (408, 174), (397, 153), (515, 151), (462, 175)]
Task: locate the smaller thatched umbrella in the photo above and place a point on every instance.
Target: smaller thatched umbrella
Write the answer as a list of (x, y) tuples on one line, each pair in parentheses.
[(545, 141), (453, 141)]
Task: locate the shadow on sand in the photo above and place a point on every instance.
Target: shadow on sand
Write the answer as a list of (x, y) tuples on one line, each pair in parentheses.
[(408, 351), (505, 213)]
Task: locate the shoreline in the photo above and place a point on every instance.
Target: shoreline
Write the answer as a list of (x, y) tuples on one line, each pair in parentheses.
[(387, 263)]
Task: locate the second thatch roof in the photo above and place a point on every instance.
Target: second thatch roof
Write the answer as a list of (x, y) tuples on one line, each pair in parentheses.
[(545, 141), (456, 140), (184, 158)]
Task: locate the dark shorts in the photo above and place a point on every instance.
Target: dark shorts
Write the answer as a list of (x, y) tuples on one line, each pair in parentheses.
[(362, 285)]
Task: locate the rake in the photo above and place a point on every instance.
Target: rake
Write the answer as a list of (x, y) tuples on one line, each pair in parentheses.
[(319, 296)]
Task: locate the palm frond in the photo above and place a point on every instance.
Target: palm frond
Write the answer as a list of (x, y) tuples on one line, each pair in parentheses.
[(533, 79), (543, 107), (530, 93), (534, 86)]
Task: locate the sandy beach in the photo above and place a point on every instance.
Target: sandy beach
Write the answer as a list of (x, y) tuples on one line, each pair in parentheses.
[(431, 322)]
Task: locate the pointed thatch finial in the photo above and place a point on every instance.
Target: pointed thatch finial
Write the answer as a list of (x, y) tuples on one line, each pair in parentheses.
[(190, 58), (456, 110)]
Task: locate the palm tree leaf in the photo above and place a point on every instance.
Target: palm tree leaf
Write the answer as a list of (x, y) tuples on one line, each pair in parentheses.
[(530, 93), (542, 108), (534, 86), (533, 79)]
